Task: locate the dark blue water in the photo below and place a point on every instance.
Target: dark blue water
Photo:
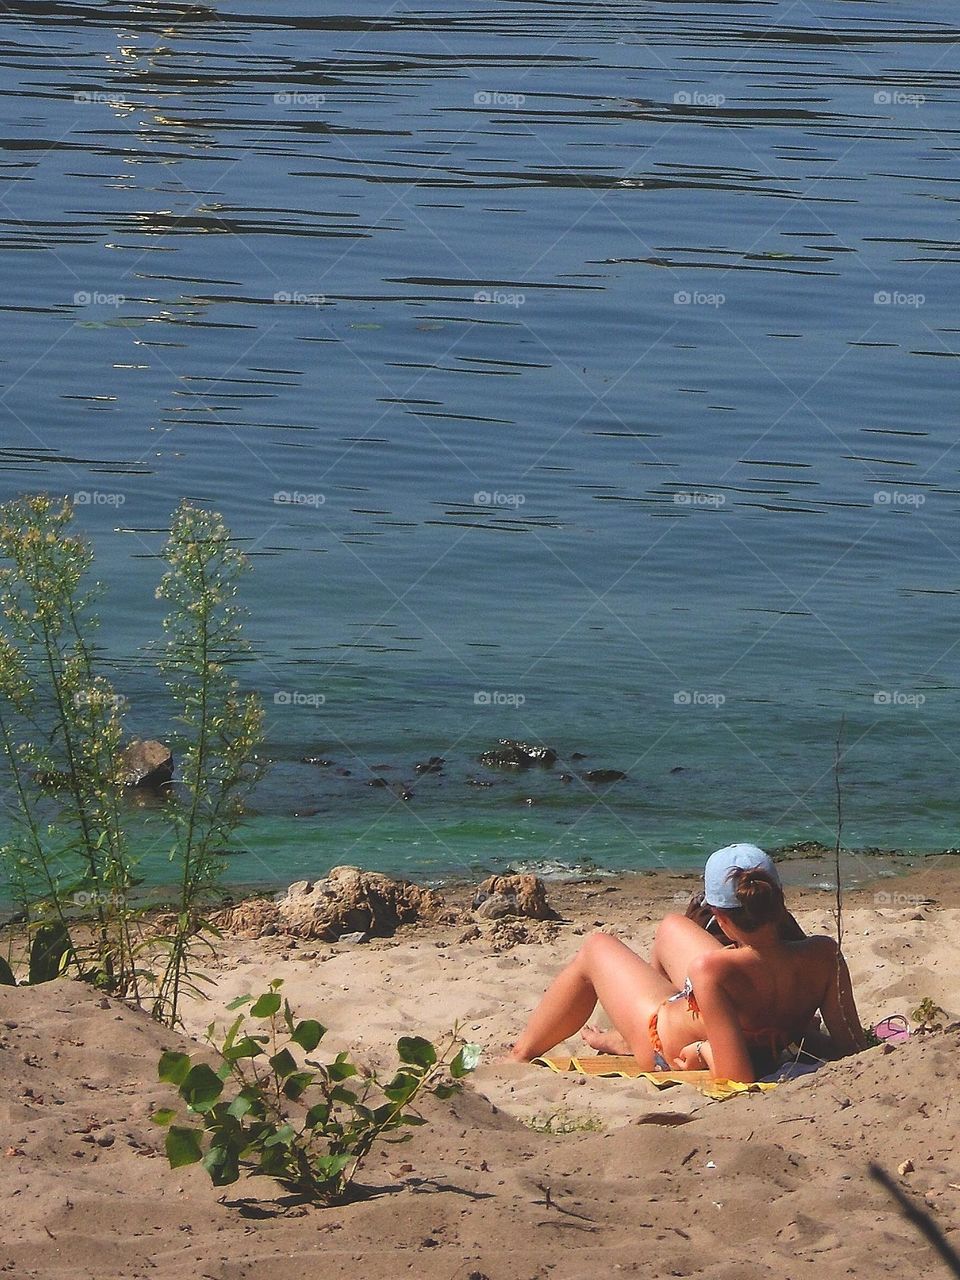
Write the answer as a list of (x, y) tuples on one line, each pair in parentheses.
[(598, 359)]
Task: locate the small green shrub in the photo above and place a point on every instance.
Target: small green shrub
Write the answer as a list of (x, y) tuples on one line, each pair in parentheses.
[(565, 1121), (275, 1112), (928, 1015)]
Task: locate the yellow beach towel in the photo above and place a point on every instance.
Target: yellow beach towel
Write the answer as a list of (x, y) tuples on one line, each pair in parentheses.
[(605, 1064)]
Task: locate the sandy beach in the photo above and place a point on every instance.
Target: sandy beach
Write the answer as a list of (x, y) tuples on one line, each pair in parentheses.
[(525, 1174)]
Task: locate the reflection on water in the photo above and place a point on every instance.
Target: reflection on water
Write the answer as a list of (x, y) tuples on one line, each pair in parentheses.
[(599, 358)]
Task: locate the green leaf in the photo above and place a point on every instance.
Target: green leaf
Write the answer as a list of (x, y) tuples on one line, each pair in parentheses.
[(239, 1002), (329, 1167), (417, 1051), (183, 1146), (173, 1067), (467, 1060), (266, 1006), (201, 1088), (231, 1033), (283, 1063), (241, 1106), (163, 1116), (444, 1091), (338, 1070), (401, 1088), (282, 1136), (49, 952), (222, 1164), (6, 974), (317, 1116), (308, 1034), (295, 1086), (247, 1047)]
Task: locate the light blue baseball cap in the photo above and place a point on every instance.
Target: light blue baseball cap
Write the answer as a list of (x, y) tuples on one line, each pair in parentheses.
[(719, 886)]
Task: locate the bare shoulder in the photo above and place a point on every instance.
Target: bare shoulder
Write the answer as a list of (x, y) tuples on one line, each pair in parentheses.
[(712, 966), (821, 944)]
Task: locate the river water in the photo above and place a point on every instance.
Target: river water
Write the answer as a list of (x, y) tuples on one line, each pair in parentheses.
[(583, 374)]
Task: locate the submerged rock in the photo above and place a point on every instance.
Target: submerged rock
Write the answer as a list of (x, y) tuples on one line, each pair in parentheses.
[(603, 775), (510, 754), (433, 765), (146, 763), (517, 895)]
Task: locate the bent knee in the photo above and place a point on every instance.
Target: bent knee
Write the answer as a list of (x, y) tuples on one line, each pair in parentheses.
[(672, 925), (599, 944)]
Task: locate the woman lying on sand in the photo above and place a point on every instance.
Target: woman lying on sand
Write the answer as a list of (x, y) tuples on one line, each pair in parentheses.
[(738, 1007)]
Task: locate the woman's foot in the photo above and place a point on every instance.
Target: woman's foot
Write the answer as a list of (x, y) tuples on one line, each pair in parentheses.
[(605, 1041)]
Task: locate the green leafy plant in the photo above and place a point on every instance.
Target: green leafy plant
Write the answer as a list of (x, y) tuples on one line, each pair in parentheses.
[(60, 730), (272, 1110), (928, 1015), (218, 764), (69, 859)]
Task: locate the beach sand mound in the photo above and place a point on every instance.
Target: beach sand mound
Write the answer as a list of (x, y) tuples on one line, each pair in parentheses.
[(759, 1188)]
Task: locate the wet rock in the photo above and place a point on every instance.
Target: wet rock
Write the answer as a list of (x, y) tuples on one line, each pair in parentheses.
[(603, 775), (802, 848), (433, 765), (515, 895), (320, 761), (509, 754), (146, 763), (478, 782), (378, 782), (578, 755)]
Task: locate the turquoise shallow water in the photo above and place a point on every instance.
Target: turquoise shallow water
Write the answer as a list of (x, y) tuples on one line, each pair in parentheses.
[(601, 360)]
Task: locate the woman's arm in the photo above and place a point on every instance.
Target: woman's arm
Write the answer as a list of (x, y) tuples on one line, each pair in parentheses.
[(838, 1006), (731, 1058)]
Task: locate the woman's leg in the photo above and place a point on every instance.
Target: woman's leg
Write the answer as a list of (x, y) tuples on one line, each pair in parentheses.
[(604, 969), (678, 942)]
